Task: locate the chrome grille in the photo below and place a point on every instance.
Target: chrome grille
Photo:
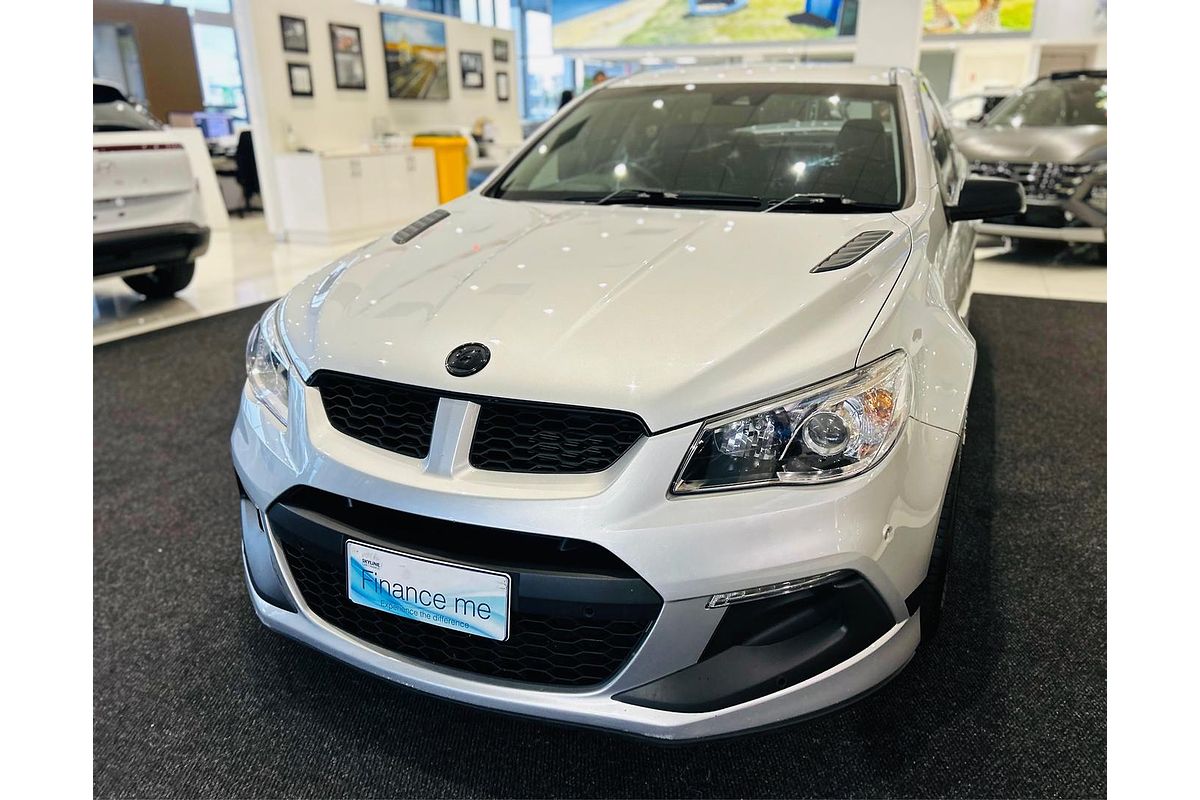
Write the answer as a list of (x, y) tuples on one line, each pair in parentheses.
[(1042, 180)]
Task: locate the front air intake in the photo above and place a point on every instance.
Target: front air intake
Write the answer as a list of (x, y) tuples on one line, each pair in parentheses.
[(852, 250)]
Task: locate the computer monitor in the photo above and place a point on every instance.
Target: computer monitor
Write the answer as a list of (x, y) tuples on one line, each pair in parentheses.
[(215, 125)]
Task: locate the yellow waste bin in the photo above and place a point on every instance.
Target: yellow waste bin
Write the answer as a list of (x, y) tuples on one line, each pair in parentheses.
[(450, 154)]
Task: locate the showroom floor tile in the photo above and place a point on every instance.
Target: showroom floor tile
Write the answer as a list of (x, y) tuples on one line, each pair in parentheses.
[(1055, 273), (245, 266)]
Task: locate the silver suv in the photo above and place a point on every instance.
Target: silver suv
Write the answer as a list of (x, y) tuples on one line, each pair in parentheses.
[(1052, 137)]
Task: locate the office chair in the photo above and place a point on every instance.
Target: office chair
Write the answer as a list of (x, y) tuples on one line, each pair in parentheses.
[(245, 172)]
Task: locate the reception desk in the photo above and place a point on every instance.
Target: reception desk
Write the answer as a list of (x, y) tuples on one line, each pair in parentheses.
[(330, 196)]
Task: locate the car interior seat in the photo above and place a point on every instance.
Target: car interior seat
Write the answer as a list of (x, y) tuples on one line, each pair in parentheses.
[(862, 165)]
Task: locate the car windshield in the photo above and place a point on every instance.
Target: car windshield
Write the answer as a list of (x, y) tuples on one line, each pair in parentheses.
[(755, 146), (1048, 104)]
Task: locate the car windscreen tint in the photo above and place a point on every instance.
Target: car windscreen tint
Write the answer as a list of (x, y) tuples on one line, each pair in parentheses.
[(766, 142), (1050, 104), (103, 93)]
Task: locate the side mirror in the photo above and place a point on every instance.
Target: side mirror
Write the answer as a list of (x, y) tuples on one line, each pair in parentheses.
[(983, 198)]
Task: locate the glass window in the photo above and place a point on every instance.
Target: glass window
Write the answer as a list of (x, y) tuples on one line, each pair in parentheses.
[(545, 73), (115, 58), (487, 12), (1081, 101), (940, 141), (503, 15), (220, 73), (758, 143), (966, 109), (448, 7), (217, 6)]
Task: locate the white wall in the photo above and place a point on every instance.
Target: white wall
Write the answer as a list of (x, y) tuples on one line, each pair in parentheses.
[(1065, 21), (338, 119), (992, 64)]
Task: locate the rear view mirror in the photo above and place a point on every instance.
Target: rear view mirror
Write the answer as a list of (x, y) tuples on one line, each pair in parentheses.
[(983, 198)]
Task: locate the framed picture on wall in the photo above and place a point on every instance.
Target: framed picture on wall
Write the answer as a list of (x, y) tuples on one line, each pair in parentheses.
[(295, 34), (502, 87), (415, 56), (471, 63), (349, 71), (500, 50), (300, 80)]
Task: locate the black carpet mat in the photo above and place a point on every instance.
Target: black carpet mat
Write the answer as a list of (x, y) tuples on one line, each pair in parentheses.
[(193, 698)]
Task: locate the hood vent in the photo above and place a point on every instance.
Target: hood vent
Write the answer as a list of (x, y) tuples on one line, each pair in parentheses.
[(411, 231), (852, 250)]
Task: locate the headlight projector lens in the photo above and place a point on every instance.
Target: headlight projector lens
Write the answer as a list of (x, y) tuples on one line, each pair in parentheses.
[(826, 434)]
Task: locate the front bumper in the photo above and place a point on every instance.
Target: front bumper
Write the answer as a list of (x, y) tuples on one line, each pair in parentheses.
[(879, 526), (1067, 219), (1017, 231)]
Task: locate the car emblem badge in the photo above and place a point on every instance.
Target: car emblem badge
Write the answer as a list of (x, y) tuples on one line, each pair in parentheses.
[(467, 359)]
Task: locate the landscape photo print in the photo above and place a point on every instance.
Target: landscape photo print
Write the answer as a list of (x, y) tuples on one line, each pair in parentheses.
[(416, 57)]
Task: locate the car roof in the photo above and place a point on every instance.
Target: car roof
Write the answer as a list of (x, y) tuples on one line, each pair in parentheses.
[(831, 73), (1074, 74)]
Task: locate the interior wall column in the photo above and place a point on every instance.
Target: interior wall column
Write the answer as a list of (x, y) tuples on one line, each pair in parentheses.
[(889, 33)]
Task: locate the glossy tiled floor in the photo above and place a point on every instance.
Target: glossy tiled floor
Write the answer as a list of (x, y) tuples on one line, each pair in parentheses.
[(245, 265), (1051, 271)]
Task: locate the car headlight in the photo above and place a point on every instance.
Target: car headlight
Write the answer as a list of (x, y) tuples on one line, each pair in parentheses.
[(831, 431), (267, 366)]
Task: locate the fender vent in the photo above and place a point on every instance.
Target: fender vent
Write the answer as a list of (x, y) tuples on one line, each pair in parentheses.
[(411, 231), (852, 250)]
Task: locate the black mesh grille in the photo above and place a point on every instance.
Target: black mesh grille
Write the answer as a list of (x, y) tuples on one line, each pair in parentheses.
[(512, 437), (388, 415), (541, 648), (509, 436)]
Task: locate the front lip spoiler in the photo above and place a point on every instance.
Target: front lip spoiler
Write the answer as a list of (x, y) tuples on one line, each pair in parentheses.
[(862, 674), (659, 741)]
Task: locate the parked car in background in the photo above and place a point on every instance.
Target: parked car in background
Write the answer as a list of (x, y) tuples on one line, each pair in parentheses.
[(148, 224), (971, 109), (1052, 137), (658, 431)]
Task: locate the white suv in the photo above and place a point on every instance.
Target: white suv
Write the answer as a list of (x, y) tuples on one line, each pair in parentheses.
[(148, 223), (657, 431)]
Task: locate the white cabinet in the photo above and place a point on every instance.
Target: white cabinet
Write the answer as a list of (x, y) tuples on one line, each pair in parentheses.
[(327, 197)]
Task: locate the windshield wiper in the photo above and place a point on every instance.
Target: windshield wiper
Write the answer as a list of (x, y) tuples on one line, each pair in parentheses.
[(815, 201), (660, 197), (824, 202)]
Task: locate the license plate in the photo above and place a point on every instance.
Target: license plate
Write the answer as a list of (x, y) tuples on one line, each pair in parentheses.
[(469, 600)]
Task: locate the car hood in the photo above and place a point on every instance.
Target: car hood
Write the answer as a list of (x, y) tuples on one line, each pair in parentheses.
[(1066, 145), (673, 315)]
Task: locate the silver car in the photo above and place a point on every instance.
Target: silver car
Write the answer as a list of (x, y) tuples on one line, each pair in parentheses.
[(657, 431), (148, 224), (1052, 137)]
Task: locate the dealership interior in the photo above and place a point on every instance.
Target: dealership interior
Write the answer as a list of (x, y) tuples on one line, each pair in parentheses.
[(297, 135)]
